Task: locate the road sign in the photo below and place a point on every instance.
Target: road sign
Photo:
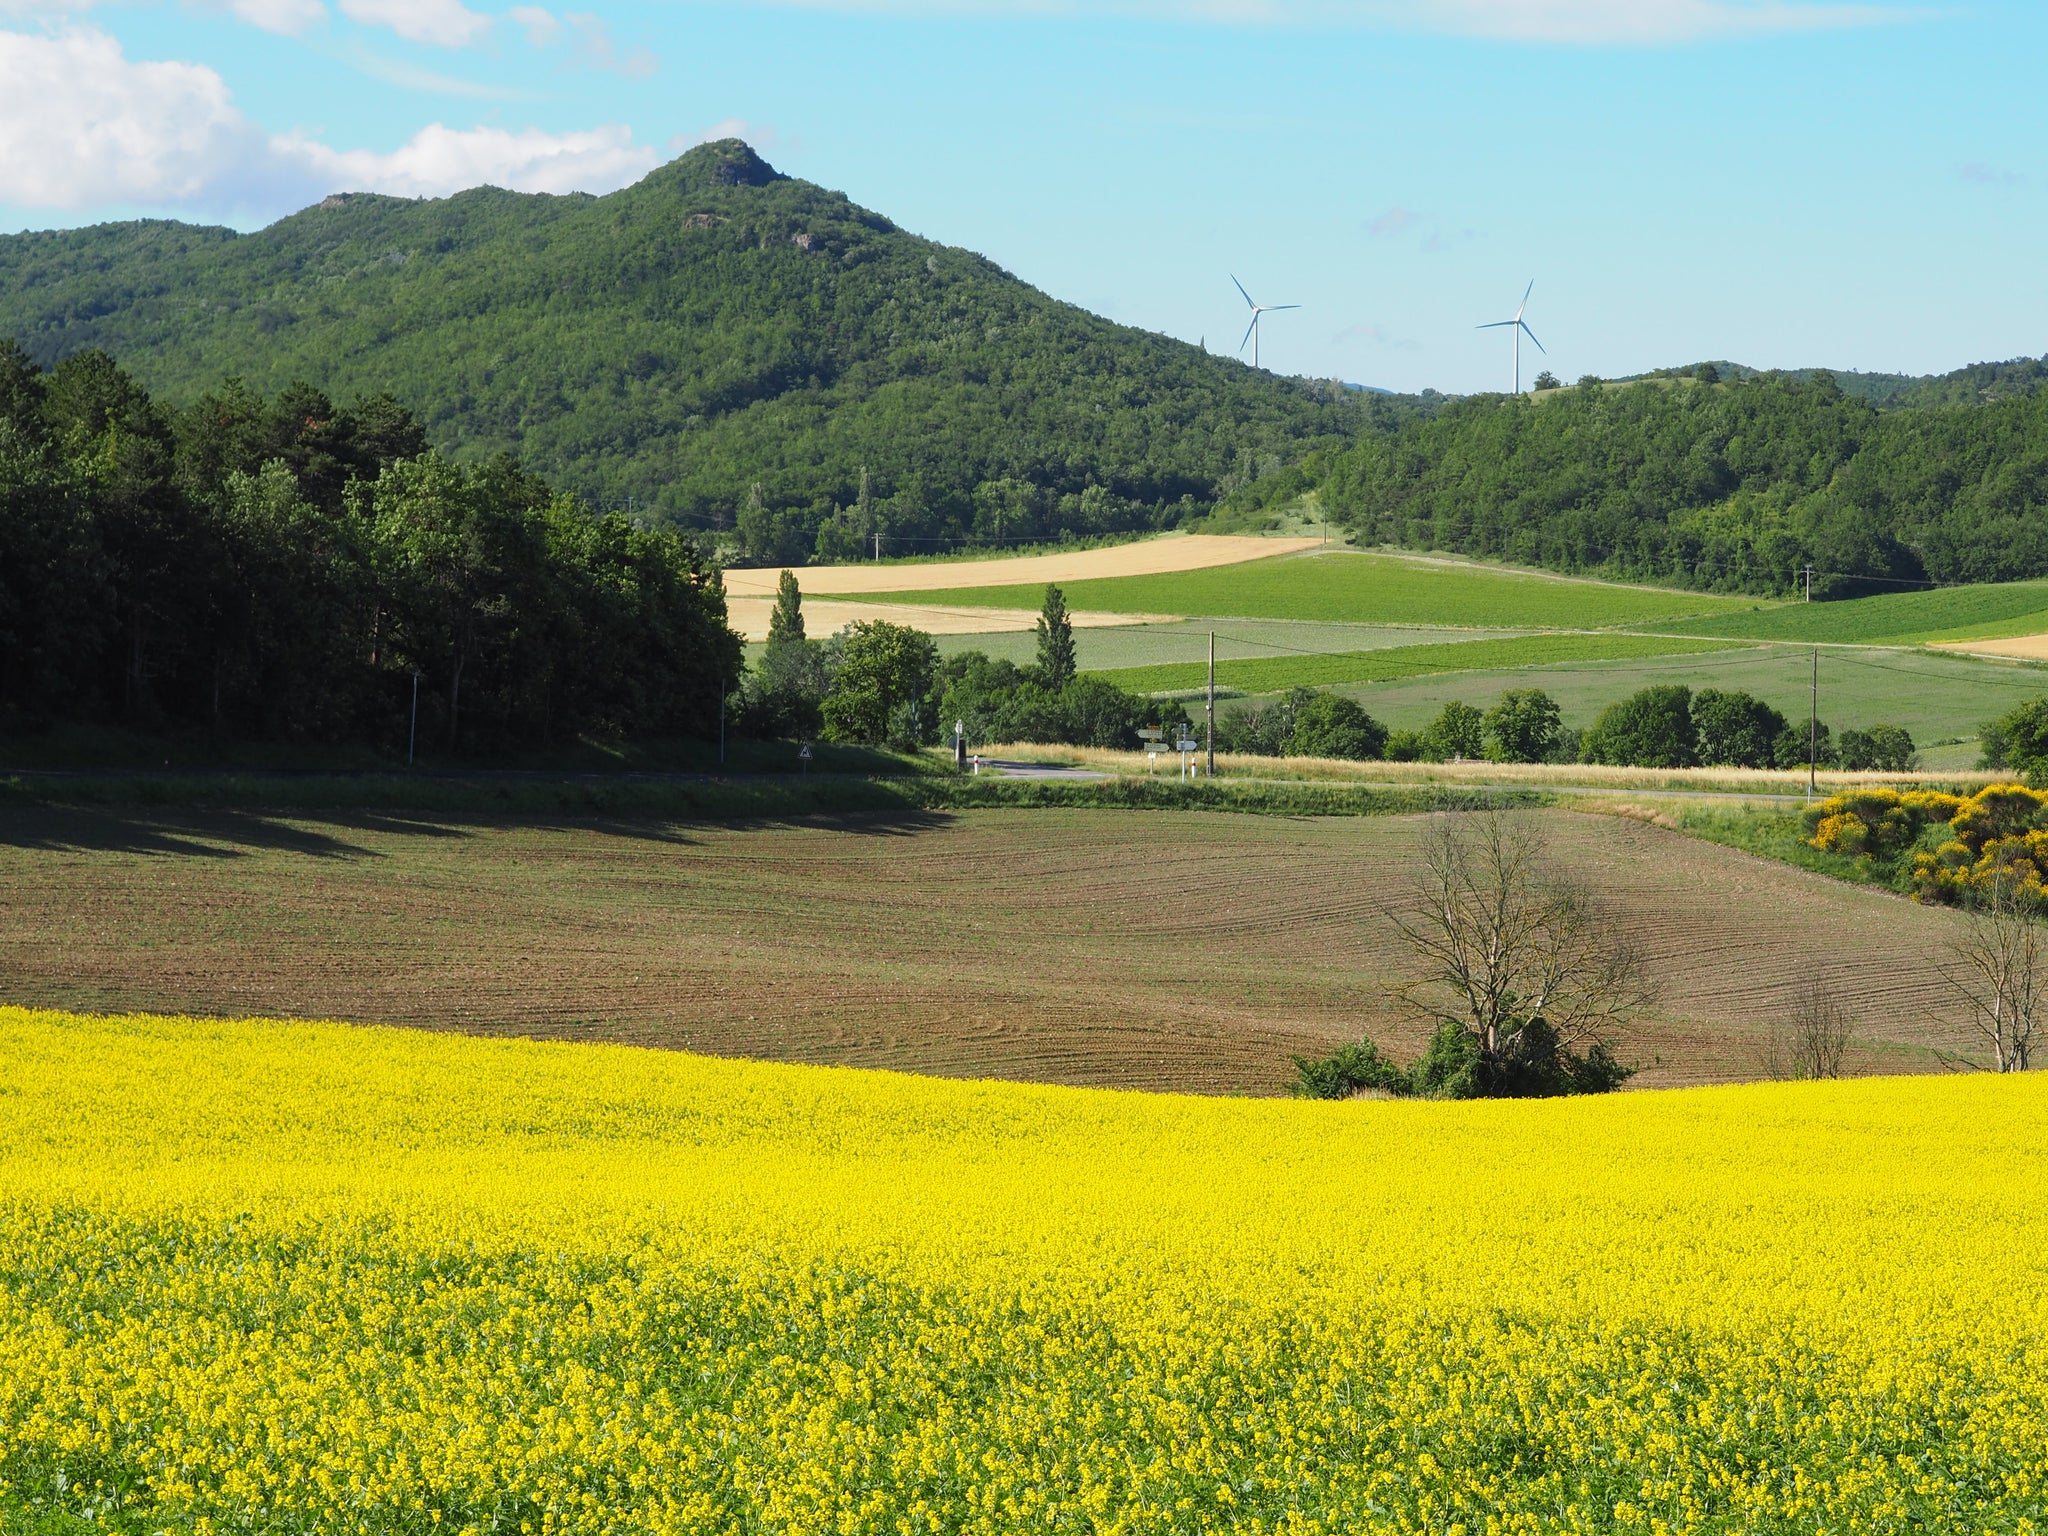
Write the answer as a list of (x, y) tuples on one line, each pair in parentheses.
[(1152, 733)]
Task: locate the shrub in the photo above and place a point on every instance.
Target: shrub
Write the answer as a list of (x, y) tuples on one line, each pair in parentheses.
[(1735, 729), (1881, 749), (1331, 725), (1350, 1069), (2018, 739), (1649, 729), (1523, 727), (1405, 746), (1998, 836), (882, 691), (1459, 730), (1878, 823), (1453, 1067), (999, 701)]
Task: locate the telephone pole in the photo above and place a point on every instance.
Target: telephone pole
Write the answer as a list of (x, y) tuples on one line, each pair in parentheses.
[(1809, 583), (1211, 708)]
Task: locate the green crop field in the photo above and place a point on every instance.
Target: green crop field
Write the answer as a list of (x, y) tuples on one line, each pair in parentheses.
[(1269, 674), (1363, 589), (1935, 696), (1151, 645), (1986, 612)]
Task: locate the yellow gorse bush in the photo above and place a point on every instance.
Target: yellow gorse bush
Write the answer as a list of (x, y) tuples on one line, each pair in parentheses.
[(291, 1277), (1876, 821)]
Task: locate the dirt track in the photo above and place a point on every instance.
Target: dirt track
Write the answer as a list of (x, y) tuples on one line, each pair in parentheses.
[(1150, 557), (1158, 950)]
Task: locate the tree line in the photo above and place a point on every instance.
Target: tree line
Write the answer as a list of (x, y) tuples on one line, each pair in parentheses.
[(1724, 485), (290, 569)]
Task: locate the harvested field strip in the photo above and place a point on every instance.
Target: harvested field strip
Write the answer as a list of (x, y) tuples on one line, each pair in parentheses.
[(263, 1276), (1371, 589), (1271, 674), (1167, 951), (1176, 552)]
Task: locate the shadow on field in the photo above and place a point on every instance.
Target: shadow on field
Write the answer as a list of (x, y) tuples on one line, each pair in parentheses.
[(227, 834), (189, 834)]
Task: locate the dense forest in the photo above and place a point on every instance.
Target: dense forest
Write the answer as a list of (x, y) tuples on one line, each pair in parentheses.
[(283, 569), (718, 346), (1731, 485)]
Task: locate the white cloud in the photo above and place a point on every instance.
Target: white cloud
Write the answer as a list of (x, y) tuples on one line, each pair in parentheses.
[(439, 160), (287, 17), (538, 23), (82, 126), (594, 46), (1643, 22), (446, 23), (1391, 223)]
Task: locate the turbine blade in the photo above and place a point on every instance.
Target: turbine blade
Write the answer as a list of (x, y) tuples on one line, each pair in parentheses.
[(1494, 325), (1283, 306), (1532, 336), (1240, 288), (1248, 331), (1525, 298)]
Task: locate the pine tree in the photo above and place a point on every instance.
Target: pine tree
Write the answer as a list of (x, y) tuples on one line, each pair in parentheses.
[(1055, 640)]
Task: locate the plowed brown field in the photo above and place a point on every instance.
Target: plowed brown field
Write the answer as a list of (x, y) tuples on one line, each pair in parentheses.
[(1159, 951)]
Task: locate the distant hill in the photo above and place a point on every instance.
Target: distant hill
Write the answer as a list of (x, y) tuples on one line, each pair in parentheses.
[(1978, 384), (717, 343), (1734, 485)]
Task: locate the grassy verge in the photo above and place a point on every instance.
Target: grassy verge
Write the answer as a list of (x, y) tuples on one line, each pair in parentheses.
[(1771, 833), (1270, 674), (1534, 776), (731, 799)]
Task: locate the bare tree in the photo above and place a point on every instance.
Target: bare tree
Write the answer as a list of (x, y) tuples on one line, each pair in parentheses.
[(1511, 951), (1813, 1040), (1996, 967)]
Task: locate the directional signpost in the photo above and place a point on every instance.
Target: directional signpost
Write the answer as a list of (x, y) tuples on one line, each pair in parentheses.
[(1154, 738)]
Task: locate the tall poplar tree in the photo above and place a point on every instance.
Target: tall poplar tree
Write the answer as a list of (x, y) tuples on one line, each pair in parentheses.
[(1055, 640)]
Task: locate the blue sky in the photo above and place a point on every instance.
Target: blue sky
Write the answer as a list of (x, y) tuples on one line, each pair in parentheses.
[(1855, 185)]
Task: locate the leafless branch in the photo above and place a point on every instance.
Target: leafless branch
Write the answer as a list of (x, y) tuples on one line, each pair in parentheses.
[(1501, 939)]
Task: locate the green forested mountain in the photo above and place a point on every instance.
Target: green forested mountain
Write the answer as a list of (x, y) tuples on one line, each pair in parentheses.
[(1978, 384), (1731, 486), (718, 344)]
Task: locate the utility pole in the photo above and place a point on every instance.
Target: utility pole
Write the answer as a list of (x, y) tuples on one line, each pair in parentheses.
[(412, 735), (1809, 583), (1211, 709), (721, 722), (1813, 725)]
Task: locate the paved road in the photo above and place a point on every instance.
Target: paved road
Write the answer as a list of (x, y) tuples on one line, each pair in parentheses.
[(1010, 768)]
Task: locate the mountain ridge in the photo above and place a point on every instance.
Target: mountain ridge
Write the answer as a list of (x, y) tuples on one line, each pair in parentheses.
[(718, 344)]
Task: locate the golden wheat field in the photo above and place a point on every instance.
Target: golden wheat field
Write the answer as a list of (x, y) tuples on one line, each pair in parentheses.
[(263, 1276)]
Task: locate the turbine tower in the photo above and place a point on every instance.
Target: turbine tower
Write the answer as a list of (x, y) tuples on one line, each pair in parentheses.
[(1521, 330), (1252, 331)]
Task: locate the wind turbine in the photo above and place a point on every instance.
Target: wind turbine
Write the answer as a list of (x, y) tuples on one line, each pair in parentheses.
[(1521, 330), (1252, 331)]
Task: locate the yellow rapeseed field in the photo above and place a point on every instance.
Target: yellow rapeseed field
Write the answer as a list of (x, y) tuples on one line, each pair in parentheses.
[(266, 1276)]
